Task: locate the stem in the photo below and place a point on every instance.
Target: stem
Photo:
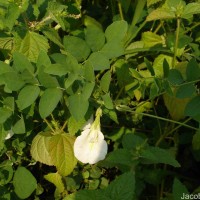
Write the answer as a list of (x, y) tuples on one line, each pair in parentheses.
[(156, 117), (169, 133), (176, 42), (49, 125), (64, 125), (120, 11)]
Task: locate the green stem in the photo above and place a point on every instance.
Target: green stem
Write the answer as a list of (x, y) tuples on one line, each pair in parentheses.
[(170, 132), (176, 42), (49, 125), (189, 29), (120, 11), (156, 117)]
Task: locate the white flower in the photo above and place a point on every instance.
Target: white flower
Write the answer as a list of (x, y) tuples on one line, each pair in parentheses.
[(9, 134), (88, 124), (90, 147)]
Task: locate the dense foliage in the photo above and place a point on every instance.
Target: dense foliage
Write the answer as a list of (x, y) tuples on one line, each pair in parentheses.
[(133, 66)]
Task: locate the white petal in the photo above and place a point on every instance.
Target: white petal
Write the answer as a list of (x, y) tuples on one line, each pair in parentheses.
[(88, 124), (90, 147), (9, 135)]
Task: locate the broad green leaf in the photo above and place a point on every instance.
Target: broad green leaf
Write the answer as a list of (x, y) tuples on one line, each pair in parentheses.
[(47, 80), (192, 107), (19, 126), (89, 71), (13, 81), (12, 14), (48, 101), (87, 89), (122, 187), (74, 126), (56, 179), (196, 140), (175, 106), (158, 155), (107, 101), (159, 62), (70, 80), (105, 81), (43, 60), (175, 77), (21, 63), (78, 106), (95, 38), (151, 39), (89, 21), (191, 9), (62, 153), (192, 70), (31, 45), (132, 141), (6, 43), (4, 114), (56, 69), (27, 96), (116, 31), (149, 66), (160, 13), (40, 148), (99, 61), (9, 102), (77, 47), (151, 2), (178, 190), (186, 91), (52, 35), (113, 49), (24, 183), (121, 158)]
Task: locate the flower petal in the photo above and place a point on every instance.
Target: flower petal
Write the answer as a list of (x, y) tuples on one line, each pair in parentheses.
[(90, 147), (88, 123)]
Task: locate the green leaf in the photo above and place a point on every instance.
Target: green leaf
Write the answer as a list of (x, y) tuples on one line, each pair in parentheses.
[(19, 126), (116, 31), (21, 63), (9, 102), (87, 90), (121, 158), (192, 70), (196, 140), (6, 172), (57, 69), (99, 61), (122, 187), (27, 96), (132, 141), (152, 2), (78, 106), (160, 13), (191, 9), (52, 35), (89, 71), (70, 80), (107, 101), (178, 189), (24, 183), (48, 101), (191, 108), (158, 155), (13, 81), (47, 80), (175, 77), (6, 43), (56, 179), (4, 114), (62, 153), (186, 91), (113, 49), (12, 14), (31, 45), (105, 81), (95, 38), (77, 47), (74, 126), (175, 106), (40, 148), (149, 66), (151, 39)]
